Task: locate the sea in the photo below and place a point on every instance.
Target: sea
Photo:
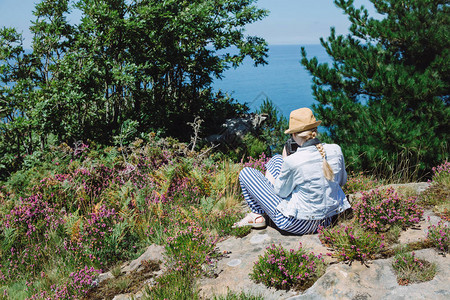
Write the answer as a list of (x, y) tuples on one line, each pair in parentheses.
[(284, 80)]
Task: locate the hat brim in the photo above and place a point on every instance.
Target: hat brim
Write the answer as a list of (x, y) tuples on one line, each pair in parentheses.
[(303, 128)]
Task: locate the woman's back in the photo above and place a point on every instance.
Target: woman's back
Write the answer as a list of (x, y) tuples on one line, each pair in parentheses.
[(309, 162), (310, 195)]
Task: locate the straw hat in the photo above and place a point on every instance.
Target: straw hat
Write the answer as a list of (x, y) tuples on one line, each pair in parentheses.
[(302, 119)]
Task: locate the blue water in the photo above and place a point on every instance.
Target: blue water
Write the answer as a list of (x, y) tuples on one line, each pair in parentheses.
[(283, 80)]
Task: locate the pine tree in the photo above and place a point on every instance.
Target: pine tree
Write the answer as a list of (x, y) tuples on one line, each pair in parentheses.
[(385, 97)]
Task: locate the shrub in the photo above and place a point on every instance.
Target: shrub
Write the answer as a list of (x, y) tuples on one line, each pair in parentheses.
[(95, 209), (379, 210), (172, 285), (272, 129), (258, 164), (369, 109), (358, 182), (284, 269), (440, 236), (410, 269), (189, 248), (186, 190), (78, 189), (438, 193), (76, 287), (222, 221), (253, 145), (104, 239), (225, 185), (352, 243), (27, 237), (441, 174)]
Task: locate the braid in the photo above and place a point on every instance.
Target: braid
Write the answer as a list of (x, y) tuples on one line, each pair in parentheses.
[(310, 134), (327, 170)]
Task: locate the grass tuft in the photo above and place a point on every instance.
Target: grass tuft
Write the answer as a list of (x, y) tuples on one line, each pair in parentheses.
[(437, 195), (410, 269), (238, 296)]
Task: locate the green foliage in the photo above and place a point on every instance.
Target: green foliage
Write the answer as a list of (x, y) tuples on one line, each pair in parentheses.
[(269, 138), (352, 242), (88, 207), (441, 174), (190, 248), (238, 296), (257, 163), (221, 223), (16, 94), (358, 182), (379, 210), (254, 145), (125, 68), (272, 130), (107, 238), (410, 269), (439, 235), (437, 195), (385, 98), (30, 233), (128, 132), (283, 269), (172, 285)]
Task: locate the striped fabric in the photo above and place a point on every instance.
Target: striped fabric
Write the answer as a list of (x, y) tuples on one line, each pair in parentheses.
[(261, 198)]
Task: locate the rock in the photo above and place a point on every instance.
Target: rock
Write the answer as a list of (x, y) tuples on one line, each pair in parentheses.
[(413, 187), (235, 129), (234, 262), (104, 276), (136, 296), (419, 232), (341, 281), (408, 189), (153, 252), (378, 281), (259, 239), (233, 271), (122, 297)]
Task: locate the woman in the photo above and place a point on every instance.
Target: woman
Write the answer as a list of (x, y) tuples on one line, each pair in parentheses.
[(301, 191)]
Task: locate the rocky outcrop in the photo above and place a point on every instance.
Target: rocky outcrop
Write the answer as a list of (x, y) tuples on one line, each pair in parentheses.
[(378, 281), (233, 270), (138, 273), (355, 281), (341, 281), (235, 129)]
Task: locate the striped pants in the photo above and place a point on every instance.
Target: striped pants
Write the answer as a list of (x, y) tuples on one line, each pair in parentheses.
[(261, 198)]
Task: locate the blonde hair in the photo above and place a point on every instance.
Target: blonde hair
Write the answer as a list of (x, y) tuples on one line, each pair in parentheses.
[(310, 134)]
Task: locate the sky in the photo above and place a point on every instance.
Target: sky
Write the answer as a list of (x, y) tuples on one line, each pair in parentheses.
[(296, 22)]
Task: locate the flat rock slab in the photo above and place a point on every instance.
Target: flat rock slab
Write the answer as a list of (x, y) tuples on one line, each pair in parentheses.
[(341, 281), (234, 269), (420, 231), (378, 281)]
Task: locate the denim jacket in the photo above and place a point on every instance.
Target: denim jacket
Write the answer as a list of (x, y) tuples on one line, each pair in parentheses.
[(306, 193)]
